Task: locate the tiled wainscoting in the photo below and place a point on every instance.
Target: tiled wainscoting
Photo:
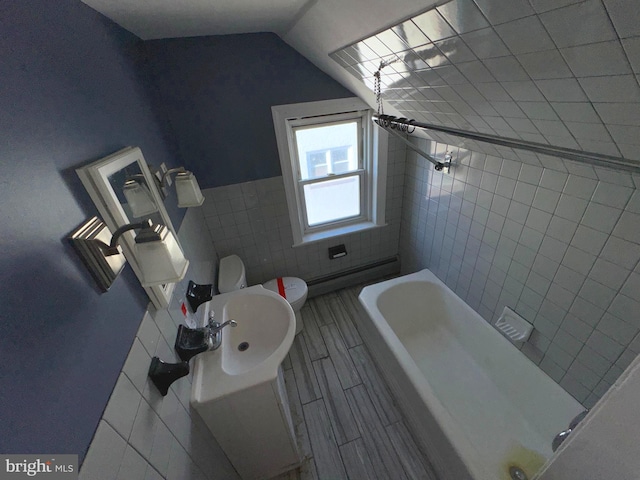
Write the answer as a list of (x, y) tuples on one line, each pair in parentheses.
[(145, 436), (345, 418), (142, 435), (346, 422), (251, 220), (560, 245)]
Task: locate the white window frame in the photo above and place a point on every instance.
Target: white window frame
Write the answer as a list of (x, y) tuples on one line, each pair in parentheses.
[(374, 166)]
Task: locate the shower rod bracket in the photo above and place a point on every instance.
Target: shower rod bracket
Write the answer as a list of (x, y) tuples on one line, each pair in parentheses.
[(444, 167), (394, 126)]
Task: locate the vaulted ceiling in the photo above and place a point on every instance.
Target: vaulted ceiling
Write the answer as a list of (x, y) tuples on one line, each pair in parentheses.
[(152, 19), (544, 72), (314, 28), (558, 72)]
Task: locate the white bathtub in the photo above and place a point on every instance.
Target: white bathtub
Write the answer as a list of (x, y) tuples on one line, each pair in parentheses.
[(473, 400)]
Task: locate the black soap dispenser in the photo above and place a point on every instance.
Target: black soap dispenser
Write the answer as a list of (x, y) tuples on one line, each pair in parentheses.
[(198, 294), (163, 374), (191, 341)]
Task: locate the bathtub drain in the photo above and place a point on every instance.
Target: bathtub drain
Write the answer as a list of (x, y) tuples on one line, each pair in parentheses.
[(243, 346), (517, 473)]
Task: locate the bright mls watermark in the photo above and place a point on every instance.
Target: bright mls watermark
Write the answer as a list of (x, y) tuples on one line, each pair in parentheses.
[(50, 467)]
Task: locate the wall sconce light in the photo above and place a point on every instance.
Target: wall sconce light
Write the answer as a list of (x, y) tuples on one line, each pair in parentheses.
[(187, 188), (158, 253), (139, 198), (156, 250), (87, 240)]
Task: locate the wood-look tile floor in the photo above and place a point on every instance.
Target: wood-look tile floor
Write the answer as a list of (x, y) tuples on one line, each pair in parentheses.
[(346, 422)]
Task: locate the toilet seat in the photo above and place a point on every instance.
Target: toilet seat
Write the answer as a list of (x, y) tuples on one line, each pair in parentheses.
[(295, 289)]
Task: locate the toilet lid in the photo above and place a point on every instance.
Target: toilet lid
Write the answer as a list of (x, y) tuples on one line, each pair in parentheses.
[(294, 288)]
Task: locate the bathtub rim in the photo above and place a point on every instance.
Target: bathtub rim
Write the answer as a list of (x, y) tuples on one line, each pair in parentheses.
[(458, 440)]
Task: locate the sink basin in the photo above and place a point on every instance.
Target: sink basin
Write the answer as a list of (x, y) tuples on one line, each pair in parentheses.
[(251, 352), (263, 323)]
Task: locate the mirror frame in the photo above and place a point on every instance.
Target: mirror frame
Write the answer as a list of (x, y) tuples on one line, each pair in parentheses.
[(95, 178)]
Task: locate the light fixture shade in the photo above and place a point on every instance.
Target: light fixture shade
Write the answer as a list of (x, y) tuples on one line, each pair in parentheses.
[(139, 199), (161, 261), (188, 190)]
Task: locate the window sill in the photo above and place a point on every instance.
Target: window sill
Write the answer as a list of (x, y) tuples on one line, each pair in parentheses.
[(337, 232)]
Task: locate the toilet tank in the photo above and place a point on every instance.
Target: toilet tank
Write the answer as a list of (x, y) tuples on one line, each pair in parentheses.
[(231, 274)]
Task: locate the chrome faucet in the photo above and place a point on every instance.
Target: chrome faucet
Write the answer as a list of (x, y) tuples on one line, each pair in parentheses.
[(215, 327), (562, 436), (214, 330)]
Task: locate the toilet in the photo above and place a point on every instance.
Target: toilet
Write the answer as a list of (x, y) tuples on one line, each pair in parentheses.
[(232, 276)]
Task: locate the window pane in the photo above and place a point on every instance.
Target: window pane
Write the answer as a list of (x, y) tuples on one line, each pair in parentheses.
[(332, 200), (327, 149), (340, 160), (317, 164)]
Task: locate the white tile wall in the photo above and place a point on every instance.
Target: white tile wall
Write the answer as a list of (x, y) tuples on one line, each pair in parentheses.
[(562, 249), (557, 72), (142, 435), (251, 220)]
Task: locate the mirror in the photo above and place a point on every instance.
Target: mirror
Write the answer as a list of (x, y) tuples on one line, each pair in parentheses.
[(124, 191), (134, 194)]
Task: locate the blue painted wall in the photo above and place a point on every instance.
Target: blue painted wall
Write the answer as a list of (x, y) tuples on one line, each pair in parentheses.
[(75, 87), (70, 92), (215, 94)]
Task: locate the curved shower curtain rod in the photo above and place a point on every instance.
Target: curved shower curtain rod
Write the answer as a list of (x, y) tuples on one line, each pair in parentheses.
[(395, 125)]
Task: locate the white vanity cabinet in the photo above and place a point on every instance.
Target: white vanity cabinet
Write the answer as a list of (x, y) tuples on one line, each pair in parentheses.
[(255, 429)]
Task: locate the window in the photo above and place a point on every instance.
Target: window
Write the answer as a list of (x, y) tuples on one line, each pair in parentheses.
[(334, 167)]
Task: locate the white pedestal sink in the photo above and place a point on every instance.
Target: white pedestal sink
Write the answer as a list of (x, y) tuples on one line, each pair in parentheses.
[(238, 389)]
